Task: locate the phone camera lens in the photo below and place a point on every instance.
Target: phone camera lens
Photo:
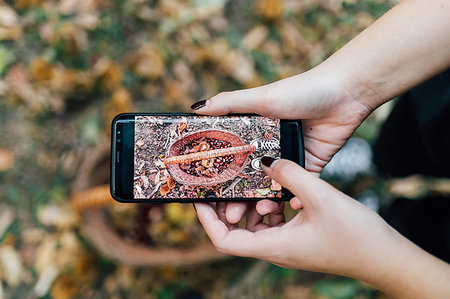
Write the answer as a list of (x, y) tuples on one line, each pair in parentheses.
[(118, 132), (119, 140)]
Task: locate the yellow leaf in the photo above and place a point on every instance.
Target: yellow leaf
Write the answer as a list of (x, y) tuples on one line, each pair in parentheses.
[(41, 69), (269, 9)]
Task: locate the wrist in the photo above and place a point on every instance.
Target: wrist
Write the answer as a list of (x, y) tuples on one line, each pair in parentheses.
[(351, 86)]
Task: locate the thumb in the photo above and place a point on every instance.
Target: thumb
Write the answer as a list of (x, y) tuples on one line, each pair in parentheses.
[(239, 101), (300, 182)]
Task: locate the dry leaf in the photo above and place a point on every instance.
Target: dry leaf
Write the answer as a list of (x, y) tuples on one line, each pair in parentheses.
[(255, 37), (59, 216), (160, 164), (10, 28), (46, 253), (171, 183), (41, 69), (275, 186), (164, 190), (6, 218), (45, 280), (65, 287), (108, 72), (11, 265), (157, 177), (269, 9), (140, 143), (240, 67), (145, 181), (148, 62)]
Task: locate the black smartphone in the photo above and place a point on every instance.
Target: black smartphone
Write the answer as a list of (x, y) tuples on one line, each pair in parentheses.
[(177, 157)]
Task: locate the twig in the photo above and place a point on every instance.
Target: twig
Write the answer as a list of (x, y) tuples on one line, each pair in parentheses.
[(231, 187), (156, 189)]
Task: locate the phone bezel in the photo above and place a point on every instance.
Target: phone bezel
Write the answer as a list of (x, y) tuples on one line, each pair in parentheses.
[(291, 148)]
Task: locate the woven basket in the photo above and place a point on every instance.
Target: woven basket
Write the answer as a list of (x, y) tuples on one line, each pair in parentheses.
[(227, 174), (90, 199)]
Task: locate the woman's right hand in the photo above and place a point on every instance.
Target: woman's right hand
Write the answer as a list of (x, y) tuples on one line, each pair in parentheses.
[(329, 112)]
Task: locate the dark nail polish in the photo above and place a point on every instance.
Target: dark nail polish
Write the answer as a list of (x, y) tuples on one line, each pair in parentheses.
[(198, 105), (267, 161)]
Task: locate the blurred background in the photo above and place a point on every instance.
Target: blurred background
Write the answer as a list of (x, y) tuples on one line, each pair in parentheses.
[(68, 67)]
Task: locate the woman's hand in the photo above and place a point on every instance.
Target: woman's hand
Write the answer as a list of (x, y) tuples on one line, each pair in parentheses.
[(329, 112), (332, 233)]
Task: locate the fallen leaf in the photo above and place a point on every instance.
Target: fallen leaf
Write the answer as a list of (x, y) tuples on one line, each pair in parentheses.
[(157, 177), (45, 280), (6, 218), (145, 181), (46, 253), (59, 216), (64, 287), (275, 186), (240, 67), (11, 265), (10, 28), (148, 62), (140, 143), (255, 37), (160, 164), (41, 69), (269, 9), (263, 191), (164, 190)]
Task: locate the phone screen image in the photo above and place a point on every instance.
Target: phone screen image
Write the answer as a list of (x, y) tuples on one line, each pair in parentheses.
[(178, 157)]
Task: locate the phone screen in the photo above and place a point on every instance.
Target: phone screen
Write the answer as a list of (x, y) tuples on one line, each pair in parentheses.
[(204, 156)]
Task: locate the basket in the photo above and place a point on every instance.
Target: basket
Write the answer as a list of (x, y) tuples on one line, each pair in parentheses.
[(238, 149), (90, 198)]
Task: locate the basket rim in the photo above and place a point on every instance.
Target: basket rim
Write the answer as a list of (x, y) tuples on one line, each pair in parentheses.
[(176, 177)]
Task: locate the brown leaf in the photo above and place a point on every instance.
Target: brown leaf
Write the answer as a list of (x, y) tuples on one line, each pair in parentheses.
[(6, 159), (255, 37), (148, 62), (164, 190), (41, 69), (10, 28)]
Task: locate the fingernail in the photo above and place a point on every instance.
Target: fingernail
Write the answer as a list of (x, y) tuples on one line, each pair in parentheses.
[(267, 161), (199, 104)]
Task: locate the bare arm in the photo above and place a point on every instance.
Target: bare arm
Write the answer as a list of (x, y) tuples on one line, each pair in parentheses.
[(406, 46)]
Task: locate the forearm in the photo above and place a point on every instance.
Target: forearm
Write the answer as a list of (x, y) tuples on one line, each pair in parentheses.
[(406, 46), (402, 270)]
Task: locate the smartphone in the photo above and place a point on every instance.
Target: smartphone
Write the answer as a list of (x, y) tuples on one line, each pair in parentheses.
[(176, 157)]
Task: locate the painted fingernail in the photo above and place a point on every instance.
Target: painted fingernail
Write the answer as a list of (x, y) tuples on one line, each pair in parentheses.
[(199, 104), (267, 161)]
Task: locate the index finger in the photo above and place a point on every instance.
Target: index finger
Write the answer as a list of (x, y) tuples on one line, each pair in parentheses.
[(238, 101)]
